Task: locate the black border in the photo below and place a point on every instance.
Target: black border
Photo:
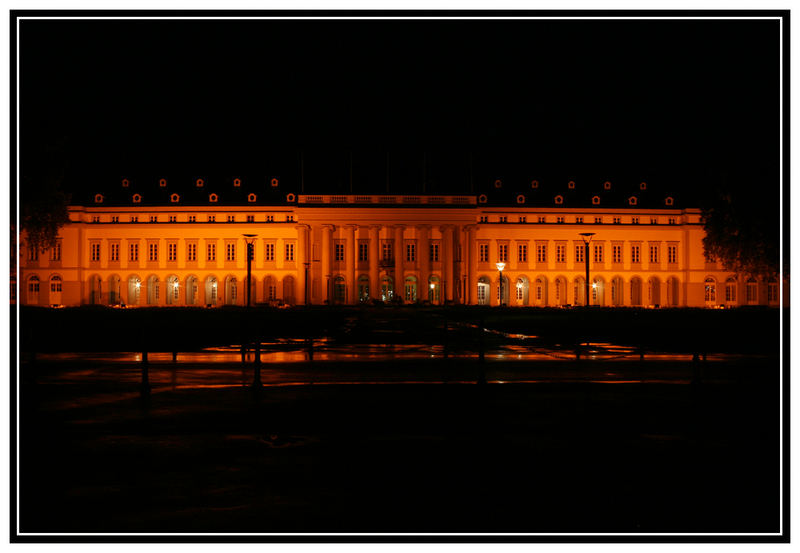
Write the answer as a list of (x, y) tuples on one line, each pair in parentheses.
[(783, 15)]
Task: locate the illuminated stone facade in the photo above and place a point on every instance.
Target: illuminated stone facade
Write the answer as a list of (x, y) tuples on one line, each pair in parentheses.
[(318, 249)]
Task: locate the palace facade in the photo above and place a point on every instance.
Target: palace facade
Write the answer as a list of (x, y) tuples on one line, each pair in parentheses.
[(151, 244)]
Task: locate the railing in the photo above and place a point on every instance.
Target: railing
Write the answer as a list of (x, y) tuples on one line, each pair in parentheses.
[(387, 200)]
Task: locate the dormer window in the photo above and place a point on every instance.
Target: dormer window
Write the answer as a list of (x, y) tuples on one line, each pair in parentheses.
[(606, 185), (137, 198), (498, 183), (125, 183), (571, 185), (668, 201), (632, 200), (534, 184), (162, 183), (290, 197), (273, 183), (482, 199), (199, 183), (237, 182), (213, 198), (642, 186), (559, 200), (174, 198), (596, 200), (251, 198), (98, 198), (521, 199)]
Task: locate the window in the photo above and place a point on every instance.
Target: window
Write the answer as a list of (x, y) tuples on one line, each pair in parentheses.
[(251, 218), (55, 252), (269, 254), (579, 250), (503, 219), (270, 218), (231, 218), (174, 198), (191, 251), (133, 252), (288, 251), (634, 220), (113, 253), (617, 220), (411, 252), (212, 218), (338, 251), (559, 200), (154, 218), (363, 252), (211, 252), (520, 291), (561, 253), (502, 253), (710, 290), (434, 252), (55, 283), (541, 253), (152, 251), (134, 218), (115, 218), (172, 251), (137, 198), (230, 251), (653, 253), (522, 253), (559, 219), (386, 251), (616, 253), (522, 219), (596, 201), (173, 218), (751, 290), (192, 218), (579, 220), (672, 253), (95, 251), (772, 292), (598, 253), (484, 253), (95, 218), (730, 290), (542, 219), (33, 284), (251, 198), (635, 250), (598, 220), (213, 198)]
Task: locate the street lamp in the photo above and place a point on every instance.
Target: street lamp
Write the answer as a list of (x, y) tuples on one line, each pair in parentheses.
[(430, 296), (249, 240), (500, 266), (587, 237)]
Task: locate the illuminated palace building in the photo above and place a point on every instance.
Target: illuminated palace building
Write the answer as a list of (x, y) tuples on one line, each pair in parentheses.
[(149, 243)]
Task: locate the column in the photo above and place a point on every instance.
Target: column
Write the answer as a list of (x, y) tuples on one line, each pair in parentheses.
[(374, 252), (447, 265), (470, 249), (302, 257), (398, 261), (351, 249), (424, 245), (327, 233)]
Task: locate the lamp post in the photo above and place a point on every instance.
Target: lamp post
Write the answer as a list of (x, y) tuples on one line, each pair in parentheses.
[(587, 237), (249, 240), (500, 266)]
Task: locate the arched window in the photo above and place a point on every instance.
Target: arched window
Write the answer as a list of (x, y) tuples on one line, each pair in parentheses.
[(642, 186), (213, 198), (273, 183), (616, 291), (173, 290), (200, 183), (270, 288), (579, 291), (363, 288), (571, 185), (521, 199), (387, 288), (251, 198), (632, 200), (596, 200), (483, 291), (137, 198), (559, 200), (174, 198), (134, 290), (654, 292), (192, 290), (730, 290), (534, 184), (434, 289), (153, 292), (290, 197), (237, 182), (606, 185), (212, 291), (751, 291), (411, 288), (520, 286), (162, 183), (498, 183), (636, 291), (231, 290), (669, 201), (33, 290), (114, 292), (125, 183), (339, 289), (288, 289), (98, 198), (482, 199), (710, 292)]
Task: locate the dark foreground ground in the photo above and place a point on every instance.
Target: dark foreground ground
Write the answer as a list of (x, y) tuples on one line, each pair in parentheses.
[(546, 457)]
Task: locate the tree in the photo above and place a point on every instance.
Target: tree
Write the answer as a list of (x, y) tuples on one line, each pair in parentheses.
[(742, 230), (43, 204)]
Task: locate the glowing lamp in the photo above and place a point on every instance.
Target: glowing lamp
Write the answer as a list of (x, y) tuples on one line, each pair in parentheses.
[(500, 265)]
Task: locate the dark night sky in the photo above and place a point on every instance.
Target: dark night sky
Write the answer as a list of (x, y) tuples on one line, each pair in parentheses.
[(686, 102)]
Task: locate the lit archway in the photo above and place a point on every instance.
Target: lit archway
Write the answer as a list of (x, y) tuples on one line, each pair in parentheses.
[(363, 288), (153, 292), (192, 290), (114, 296), (483, 290), (231, 290), (173, 290), (212, 291), (134, 290), (411, 289), (636, 291), (387, 288), (434, 289), (522, 290), (288, 289)]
